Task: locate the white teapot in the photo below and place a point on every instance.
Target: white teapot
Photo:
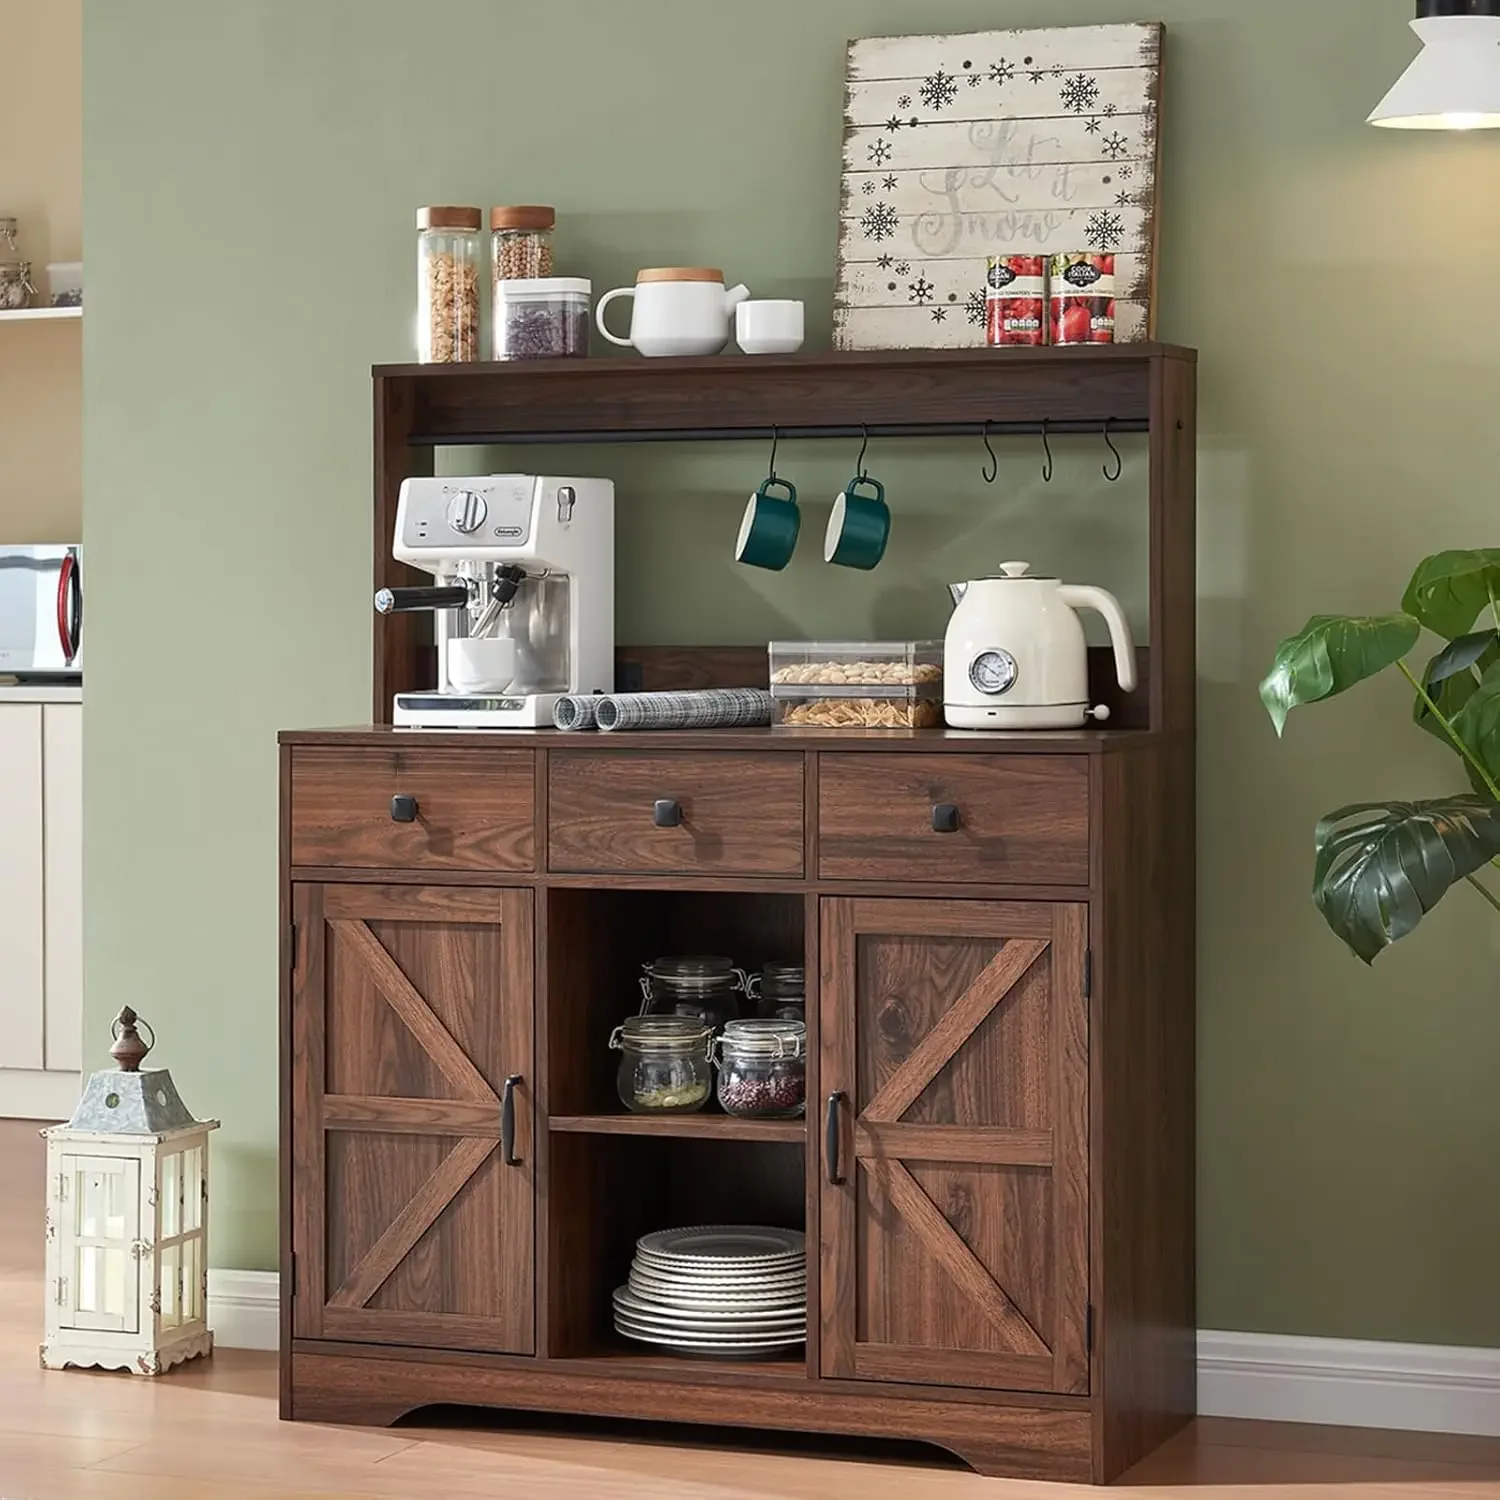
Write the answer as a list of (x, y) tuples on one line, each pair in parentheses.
[(675, 310), (1015, 656)]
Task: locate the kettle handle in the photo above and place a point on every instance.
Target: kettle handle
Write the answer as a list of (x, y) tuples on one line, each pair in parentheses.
[(1086, 596)]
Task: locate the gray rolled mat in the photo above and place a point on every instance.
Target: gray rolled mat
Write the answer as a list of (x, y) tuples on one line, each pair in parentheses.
[(709, 708), (576, 711)]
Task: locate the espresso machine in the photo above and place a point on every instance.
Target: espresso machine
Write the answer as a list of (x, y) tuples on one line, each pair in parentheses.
[(524, 595)]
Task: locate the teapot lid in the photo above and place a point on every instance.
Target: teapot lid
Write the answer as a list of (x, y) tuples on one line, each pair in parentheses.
[(1021, 570)]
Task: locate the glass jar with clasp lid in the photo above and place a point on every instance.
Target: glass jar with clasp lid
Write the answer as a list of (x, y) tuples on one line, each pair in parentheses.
[(707, 987), (16, 290), (762, 1068), (780, 992), (665, 1064)]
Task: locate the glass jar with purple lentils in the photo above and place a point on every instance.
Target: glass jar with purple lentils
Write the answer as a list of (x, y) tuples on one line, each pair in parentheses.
[(763, 1068)]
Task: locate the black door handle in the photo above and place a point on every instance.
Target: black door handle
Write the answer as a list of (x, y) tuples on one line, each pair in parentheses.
[(831, 1139), (508, 1122), (403, 808), (667, 813), (944, 817)]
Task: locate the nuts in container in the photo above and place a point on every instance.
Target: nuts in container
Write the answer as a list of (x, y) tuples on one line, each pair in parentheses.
[(858, 684)]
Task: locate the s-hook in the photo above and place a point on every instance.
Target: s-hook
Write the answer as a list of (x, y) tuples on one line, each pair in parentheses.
[(991, 471), (771, 468), (1109, 442), (864, 442), (1047, 449)]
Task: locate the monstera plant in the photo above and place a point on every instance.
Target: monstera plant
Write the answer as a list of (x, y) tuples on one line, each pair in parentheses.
[(1382, 866)]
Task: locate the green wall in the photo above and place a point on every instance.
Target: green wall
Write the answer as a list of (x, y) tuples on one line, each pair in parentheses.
[(251, 172)]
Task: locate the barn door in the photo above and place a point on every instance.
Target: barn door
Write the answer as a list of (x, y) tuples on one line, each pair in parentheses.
[(954, 1199), (412, 1195)]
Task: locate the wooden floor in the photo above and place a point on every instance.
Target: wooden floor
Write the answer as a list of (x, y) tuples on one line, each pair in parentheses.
[(210, 1429)]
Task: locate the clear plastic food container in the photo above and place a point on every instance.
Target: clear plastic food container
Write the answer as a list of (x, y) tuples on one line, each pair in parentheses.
[(65, 283), (858, 684), (544, 318)]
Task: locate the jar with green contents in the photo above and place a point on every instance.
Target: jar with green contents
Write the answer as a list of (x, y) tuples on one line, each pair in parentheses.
[(664, 1064)]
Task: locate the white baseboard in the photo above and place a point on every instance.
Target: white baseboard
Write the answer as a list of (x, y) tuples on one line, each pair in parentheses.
[(1268, 1377), (244, 1309), (1349, 1382)]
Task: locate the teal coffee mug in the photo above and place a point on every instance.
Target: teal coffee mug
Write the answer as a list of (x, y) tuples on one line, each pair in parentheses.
[(768, 532), (859, 527)]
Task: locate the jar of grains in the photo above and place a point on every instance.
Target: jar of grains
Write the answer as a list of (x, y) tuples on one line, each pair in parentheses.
[(664, 1064), (763, 1069), (447, 285), (522, 248)]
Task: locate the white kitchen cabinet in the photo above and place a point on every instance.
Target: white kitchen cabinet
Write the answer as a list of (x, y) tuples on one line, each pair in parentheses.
[(41, 901)]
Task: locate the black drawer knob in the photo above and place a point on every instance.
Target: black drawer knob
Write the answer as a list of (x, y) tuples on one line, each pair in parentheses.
[(667, 813), (403, 809), (944, 818)]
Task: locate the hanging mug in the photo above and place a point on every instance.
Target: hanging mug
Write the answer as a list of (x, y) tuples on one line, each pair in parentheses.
[(859, 527), (768, 530)]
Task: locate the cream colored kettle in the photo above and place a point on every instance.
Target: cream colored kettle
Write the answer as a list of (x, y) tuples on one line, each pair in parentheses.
[(1015, 656)]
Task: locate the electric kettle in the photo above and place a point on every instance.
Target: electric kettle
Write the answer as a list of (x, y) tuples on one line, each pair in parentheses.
[(1015, 656)]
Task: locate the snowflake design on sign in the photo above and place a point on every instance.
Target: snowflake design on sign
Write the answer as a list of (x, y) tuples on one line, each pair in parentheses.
[(889, 183), (940, 90), (1037, 74), (1111, 108), (878, 221), (880, 152), (894, 123), (1094, 126), (884, 261), (1114, 146), (939, 314), (1125, 172), (975, 79), (1105, 230), (1002, 71), (1080, 93), (867, 186), (904, 102), (903, 268), (920, 290), (974, 307), (1122, 200)]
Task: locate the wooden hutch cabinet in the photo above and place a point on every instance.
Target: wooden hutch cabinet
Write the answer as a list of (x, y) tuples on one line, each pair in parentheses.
[(995, 1174)]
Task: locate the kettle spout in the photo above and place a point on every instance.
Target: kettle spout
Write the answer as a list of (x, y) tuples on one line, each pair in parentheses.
[(957, 591)]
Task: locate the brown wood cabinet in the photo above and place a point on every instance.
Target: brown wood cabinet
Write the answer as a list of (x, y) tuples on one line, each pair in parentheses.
[(995, 1168)]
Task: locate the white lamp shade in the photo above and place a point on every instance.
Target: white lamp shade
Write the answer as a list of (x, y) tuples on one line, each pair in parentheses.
[(1454, 81)]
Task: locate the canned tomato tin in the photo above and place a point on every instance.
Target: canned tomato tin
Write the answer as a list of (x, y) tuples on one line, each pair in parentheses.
[(1015, 302), (1082, 298)]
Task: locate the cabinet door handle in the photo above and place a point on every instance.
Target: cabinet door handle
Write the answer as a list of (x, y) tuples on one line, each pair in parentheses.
[(831, 1139), (508, 1122), (944, 817), (667, 813), (403, 808)]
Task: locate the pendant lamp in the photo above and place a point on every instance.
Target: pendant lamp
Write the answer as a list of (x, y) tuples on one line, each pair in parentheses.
[(1454, 81)]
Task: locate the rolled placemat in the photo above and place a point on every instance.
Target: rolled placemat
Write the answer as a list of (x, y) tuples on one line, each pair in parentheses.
[(577, 710), (708, 708)]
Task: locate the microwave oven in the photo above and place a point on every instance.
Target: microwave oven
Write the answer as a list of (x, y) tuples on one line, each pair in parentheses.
[(41, 612)]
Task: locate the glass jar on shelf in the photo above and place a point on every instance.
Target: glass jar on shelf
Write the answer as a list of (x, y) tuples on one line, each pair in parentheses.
[(665, 1064), (763, 1069), (8, 231), (448, 251), (707, 987), (521, 241), (780, 992), (16, 290)]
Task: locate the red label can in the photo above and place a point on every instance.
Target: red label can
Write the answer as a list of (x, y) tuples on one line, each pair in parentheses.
[(1081, 298), (1015, 300)]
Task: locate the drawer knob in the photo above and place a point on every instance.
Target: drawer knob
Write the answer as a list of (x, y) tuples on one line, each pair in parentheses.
[(667, 813), (944, 818), (403, 808)]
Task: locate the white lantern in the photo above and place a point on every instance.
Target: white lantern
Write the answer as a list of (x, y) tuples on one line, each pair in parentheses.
[(127, 1221)]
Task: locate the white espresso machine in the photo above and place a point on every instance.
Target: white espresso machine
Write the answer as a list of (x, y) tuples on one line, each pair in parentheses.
[(524, 594)]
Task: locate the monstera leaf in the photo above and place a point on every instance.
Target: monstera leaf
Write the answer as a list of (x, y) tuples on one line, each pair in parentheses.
[(1452, 678), (1449, 589), (1382, 866), (1330, 655), (1477, 723)]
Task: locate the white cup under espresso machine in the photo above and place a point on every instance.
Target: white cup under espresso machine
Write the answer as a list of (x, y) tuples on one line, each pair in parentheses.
[(524, 595)]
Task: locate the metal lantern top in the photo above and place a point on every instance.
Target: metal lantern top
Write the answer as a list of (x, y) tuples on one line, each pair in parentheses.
[(130, 1100)]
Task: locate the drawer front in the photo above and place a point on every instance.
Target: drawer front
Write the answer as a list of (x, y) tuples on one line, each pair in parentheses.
[(739, 814), (474, 809), (1021, 818)]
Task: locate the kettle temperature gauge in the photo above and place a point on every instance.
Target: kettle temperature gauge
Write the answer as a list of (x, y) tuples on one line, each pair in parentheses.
[(993, 672)]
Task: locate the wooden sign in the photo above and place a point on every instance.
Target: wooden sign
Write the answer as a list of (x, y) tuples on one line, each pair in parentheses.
[(957, 148)]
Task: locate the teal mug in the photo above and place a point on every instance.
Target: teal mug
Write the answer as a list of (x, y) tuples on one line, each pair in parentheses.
[(859, 527), (768, 532)]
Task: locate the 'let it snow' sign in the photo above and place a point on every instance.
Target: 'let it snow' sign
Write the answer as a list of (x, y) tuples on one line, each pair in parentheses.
[(957, 148)]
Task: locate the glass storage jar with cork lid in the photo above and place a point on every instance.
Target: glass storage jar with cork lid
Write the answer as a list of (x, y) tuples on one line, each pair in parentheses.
[(521, 235), (447, 284)]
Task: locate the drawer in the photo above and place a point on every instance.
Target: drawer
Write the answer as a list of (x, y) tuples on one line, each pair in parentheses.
[(1022, 819), (474, 809), (740, 814)]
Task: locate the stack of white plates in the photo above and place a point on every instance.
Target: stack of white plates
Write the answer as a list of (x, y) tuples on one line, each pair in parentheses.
[(731, 1290)]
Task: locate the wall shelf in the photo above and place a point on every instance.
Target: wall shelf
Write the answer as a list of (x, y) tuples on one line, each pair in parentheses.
[(40, 314), (706, 1127)]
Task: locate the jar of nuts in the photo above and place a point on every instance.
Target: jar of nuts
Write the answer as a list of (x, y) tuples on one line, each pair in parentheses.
[(448, 251), (522, 241)]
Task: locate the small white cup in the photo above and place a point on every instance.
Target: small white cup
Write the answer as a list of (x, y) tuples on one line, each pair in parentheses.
[(482, 664), (768, 327)]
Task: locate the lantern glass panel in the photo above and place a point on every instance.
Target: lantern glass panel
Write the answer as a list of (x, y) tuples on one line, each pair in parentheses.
[(100, 1273), (171, 1193), (191, 1272), (171, 1290), (105, 1200), (192, 1188)]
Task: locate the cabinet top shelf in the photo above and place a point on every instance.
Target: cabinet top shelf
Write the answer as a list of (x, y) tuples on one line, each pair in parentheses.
[(893, 393), (39, 314)]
